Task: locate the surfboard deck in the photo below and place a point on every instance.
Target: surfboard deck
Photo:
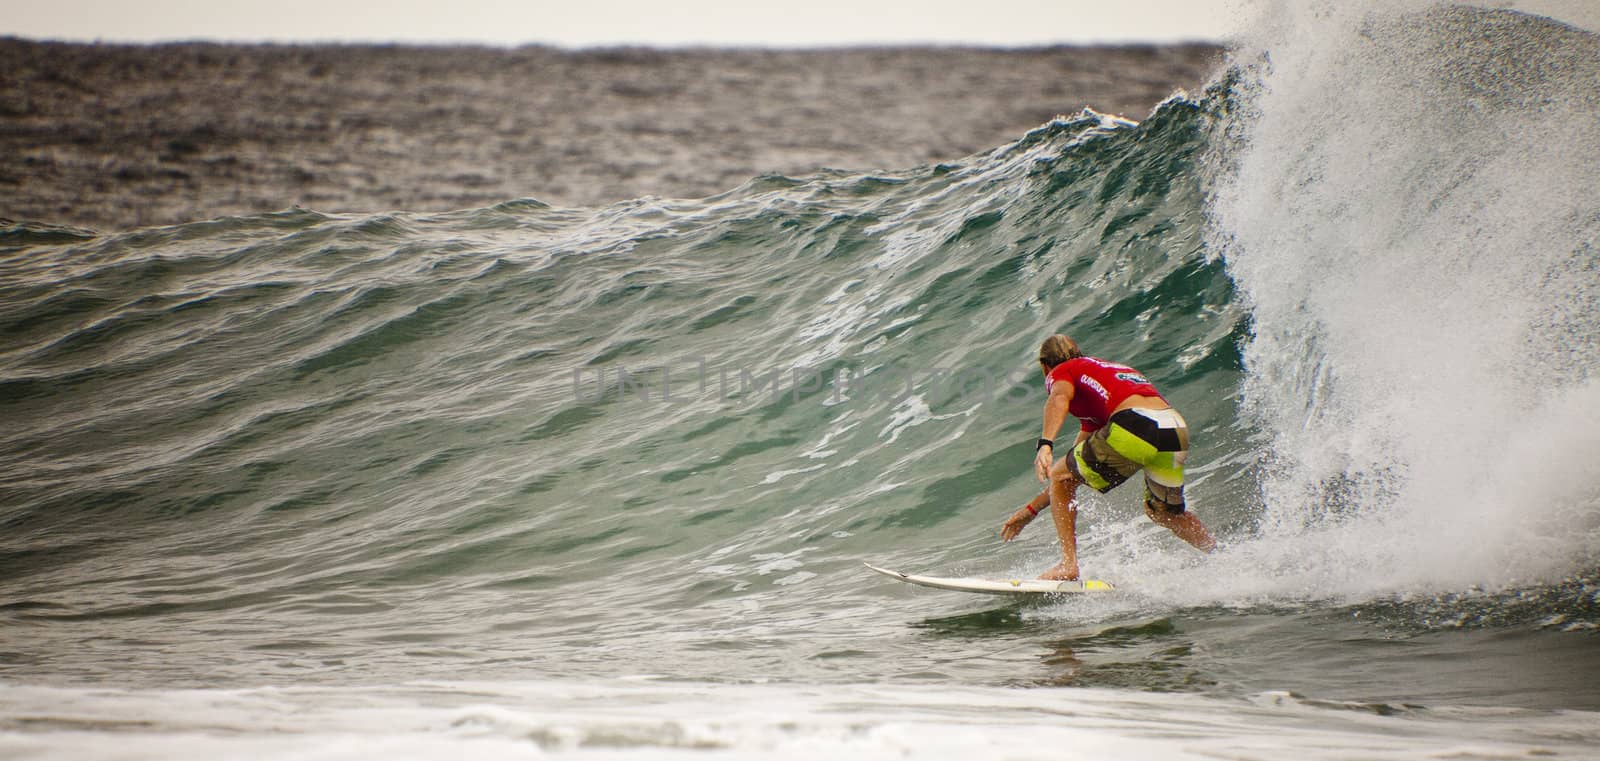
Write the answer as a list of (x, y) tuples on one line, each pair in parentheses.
[(998, 586)]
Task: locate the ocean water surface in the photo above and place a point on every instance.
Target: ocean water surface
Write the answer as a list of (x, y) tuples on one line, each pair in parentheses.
[(523, 481)]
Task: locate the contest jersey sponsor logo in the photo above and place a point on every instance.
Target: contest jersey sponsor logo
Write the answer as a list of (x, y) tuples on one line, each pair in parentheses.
[(1094, 385), (1132, 377)]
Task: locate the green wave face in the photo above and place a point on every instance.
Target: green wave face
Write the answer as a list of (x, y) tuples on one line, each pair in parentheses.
[(665, 405)]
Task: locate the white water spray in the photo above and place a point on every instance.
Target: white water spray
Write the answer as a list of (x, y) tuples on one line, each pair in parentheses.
[(1409, 202)]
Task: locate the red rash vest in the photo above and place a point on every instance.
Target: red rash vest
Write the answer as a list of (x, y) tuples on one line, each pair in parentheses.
[(1098, 387)]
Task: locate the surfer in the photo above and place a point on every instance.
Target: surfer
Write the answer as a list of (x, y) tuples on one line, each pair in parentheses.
[(1126, 427)]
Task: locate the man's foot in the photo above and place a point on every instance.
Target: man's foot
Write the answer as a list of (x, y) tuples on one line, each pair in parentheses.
[(1062, 572)]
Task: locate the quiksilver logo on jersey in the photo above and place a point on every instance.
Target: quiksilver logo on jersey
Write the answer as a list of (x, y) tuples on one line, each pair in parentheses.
[(1095, 385), (1132, 378)]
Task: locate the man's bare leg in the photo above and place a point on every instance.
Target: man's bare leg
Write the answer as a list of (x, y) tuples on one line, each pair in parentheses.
[(1185, 525), (1064, 510)]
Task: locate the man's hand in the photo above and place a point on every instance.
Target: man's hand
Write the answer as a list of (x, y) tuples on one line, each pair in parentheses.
[(1042, 462), (1014, 525)]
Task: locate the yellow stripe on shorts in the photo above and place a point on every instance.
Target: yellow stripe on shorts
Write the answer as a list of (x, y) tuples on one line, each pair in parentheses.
[(1090, 477)]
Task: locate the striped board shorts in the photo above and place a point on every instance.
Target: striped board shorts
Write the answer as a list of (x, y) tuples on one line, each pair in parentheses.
[(1155, 441)]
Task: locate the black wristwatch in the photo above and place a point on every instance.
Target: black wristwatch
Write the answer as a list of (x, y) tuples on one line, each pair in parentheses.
[(1044, 443)]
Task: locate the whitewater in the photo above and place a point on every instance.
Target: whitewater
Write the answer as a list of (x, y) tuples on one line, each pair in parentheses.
[(531, 481)]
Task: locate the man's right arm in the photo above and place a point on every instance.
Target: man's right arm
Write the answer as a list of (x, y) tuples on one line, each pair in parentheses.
[(1055, 413)]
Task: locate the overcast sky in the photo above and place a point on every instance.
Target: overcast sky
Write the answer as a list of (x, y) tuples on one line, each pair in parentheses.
[(579, 23)]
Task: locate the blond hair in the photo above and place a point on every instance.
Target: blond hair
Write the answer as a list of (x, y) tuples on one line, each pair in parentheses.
[(1057, 349)]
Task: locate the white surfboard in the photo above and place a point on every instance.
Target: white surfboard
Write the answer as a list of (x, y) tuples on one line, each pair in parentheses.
[(999, 586)]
